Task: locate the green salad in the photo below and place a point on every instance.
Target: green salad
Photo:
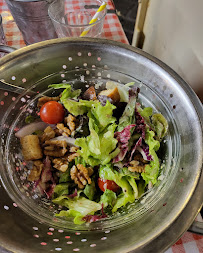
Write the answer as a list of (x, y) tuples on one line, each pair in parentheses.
[(93, 152)]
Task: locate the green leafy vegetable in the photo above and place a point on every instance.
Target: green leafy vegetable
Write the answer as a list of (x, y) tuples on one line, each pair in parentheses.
[(71, 213), (128, 116), (78, 108), (100, 146), (64, 177), (151, 170), (38, 132), (68, 92), (108, 198), (152, 143), (78, 207), (103, 114), (60, 86), (125, 172), (141, 187), (83, 205), (160, 125), (146, 112), (29, 119), (90, 190), (127, 184), (61, 189), (130, 84)]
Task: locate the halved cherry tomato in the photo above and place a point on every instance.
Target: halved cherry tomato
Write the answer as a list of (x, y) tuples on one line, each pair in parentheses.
[(52, 112), (107, 184)]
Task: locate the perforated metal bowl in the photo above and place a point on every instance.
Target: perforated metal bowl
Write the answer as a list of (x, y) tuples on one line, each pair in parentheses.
[(92, 61)]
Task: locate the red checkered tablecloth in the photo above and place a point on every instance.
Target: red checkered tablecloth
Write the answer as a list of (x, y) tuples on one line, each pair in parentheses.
[(112, 27), (189, 243)]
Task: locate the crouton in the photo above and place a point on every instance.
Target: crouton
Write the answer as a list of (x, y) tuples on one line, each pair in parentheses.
[(90, 94), (36, 171), (45, 99), (111, 93), (31, 148)]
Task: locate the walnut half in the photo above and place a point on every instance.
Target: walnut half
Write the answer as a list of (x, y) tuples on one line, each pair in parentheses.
[(71, 122), (63, 130), (61, 164), (48, 134), (55, 148), (136, 166), (81, 175)]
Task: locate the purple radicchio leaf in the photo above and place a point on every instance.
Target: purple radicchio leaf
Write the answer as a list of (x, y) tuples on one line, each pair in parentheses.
[(137, 144), (123, 138), (47, 162), (93, 218), (46, 177), (144, 150), (50, 190), (140, 124), (75, 194)]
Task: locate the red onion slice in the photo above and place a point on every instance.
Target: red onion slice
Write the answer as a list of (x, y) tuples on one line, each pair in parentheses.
[(31, 128)]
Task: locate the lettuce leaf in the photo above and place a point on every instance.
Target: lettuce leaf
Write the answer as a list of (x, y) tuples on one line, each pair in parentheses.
[(61, 189), (78, 107), (68, 92), (60, 86), (103, 114), (141, 187), (152, 169), (152, 143), (83, 205), (90, 190), (64, 177), (127, 184), (108, 198), (97, 148), (79, 207), (68, 99), (146, 112), (71, 213), (125, 172), (128, 117), (123, 138), (100, 146), (160, 125)]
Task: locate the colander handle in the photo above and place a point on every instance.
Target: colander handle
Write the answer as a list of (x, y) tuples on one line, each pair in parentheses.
[(6, 49), (196, 227)]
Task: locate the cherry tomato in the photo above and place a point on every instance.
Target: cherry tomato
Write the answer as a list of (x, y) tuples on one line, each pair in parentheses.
[(52, 112), (107, 184)]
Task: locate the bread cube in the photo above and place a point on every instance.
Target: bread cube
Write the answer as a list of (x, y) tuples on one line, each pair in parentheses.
[(31, 148), (111, 93), (90, 94)]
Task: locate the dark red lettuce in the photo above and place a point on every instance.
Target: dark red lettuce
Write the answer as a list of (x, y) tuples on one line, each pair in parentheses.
[(137, 144), (123, 138), (73, 195), (144, 150), (140, 124)]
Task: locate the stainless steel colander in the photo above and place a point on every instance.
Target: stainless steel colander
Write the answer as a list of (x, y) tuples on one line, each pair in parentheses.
[(152, 225)]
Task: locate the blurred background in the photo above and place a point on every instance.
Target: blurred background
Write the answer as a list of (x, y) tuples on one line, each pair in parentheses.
[(170, 30)]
